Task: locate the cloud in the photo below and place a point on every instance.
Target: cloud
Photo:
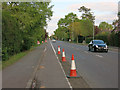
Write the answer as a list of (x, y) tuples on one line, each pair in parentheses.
[(52, 25), (97, 6), (105, 17), (103, 11), (64, 1)]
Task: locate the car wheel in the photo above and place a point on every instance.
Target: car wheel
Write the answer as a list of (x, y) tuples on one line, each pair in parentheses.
[(89, 49), (94, 49), (106, 51)]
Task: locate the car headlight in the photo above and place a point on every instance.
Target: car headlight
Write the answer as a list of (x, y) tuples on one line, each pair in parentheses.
[(106, 46), (96, 46)]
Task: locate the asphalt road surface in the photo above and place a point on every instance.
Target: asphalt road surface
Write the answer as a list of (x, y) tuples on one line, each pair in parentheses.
[(99, 69)]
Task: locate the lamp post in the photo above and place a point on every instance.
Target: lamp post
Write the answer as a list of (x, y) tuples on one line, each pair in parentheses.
[(93, 26), (93, 30)]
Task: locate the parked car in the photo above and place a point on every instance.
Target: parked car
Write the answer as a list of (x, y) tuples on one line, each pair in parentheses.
[(98, 45), (53, 40)]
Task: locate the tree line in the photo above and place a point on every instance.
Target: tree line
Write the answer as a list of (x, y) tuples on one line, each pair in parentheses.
[(23, 24), (74, 29)]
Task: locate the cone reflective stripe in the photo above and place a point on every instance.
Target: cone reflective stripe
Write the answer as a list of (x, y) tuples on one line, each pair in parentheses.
[(58, 49), (38, 42), (73, 72), (73, 68), (63, 56)]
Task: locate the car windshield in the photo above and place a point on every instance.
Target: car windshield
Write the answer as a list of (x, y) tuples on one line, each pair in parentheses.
[(98, 42)]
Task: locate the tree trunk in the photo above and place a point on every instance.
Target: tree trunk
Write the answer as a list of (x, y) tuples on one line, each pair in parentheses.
[(77, 39)]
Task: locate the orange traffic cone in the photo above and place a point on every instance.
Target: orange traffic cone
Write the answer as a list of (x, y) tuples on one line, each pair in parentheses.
[(63, 56), (73, 72), (58, 49), (38, 42)]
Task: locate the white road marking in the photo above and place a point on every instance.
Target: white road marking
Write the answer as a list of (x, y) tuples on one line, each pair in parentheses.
[(85, 51), (61, 66), (99, 56), (45, 49)]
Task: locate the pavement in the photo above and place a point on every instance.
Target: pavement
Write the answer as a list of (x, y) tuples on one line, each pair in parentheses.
[(41, 65), (98, 69), (18, 74), (50, 73)]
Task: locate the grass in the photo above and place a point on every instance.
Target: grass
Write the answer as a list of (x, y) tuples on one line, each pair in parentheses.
[(15, 58)]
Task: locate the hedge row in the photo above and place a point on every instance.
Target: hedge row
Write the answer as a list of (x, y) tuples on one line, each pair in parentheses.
[(111, 39)]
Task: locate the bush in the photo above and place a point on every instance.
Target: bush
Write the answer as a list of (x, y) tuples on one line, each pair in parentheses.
[(114, 39), (11, 36), (111, 39), (88, 39)]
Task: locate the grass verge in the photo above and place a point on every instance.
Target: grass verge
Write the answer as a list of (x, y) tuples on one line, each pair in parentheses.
[(15, 58)]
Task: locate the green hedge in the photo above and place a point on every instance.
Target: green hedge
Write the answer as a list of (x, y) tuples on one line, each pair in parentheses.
[(88, 39), (111, 39)]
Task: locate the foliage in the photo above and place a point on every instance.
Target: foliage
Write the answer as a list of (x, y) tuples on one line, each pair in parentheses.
[(111, 39), (105, 26), (118, 13), (23, 24), (61, 33), (83, 28), (88, 39), (97, 30), (71, 17), (86, 13)]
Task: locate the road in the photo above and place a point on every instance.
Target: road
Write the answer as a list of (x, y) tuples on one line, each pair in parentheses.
[(99, 69)]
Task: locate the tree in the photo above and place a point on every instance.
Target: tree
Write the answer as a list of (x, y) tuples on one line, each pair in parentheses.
[(105, 26), (61, 33), (97, 30), (82, 28), (28, 21), (71, 17), (86, 13)]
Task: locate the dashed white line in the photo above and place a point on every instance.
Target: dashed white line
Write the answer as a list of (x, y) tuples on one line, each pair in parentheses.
[(45, 49), (61, 66), (99, 56)]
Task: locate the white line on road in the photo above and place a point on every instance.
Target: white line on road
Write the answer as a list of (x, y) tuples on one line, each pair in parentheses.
[(45, 49), (85, 51), (61, 66), (99, 56)]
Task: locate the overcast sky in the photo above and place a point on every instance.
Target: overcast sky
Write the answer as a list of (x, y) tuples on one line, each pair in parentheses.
[(104, 10)]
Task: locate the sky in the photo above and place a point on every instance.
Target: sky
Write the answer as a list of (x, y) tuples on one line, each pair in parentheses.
[(104, 10)]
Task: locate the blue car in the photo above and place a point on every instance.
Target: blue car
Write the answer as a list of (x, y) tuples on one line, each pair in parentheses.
[(98, 45)]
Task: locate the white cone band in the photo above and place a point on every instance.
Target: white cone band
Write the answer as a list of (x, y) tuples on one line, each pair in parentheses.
[(58, 49), (63, 54), (73, 67)]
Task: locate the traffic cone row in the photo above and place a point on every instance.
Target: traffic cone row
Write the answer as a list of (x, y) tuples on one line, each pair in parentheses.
[(58, 49), (73, 72), (63, 56), (38, 42)]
